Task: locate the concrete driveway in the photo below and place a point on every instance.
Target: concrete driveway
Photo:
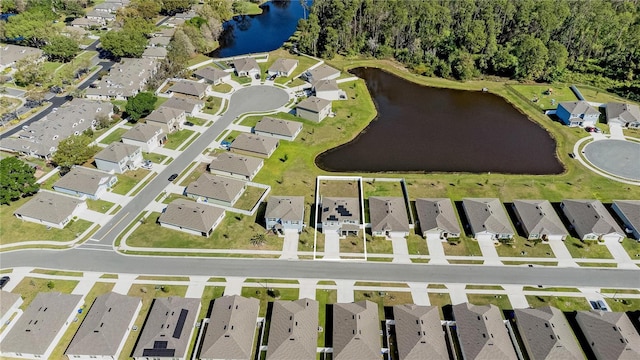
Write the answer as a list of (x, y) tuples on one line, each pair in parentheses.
[(290, 245), (331, 246)]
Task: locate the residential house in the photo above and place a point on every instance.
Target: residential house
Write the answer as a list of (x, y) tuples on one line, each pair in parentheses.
[(214, 189), (278, 128), (101, 18), (189, 88), (285, 213), (51, 209), (547, 335), (341, 215), (212, 75), (627, 115), (238, 166), (231, 330), (610, 335), (37, 331), (161, 41), (577, 113), (436, 216), (11, 54), (148, 137), (482, 334), (9, 305), (356, 331), (125, 79), (388, 216), (419, 332), (488, 219), (255, 145), (164, 32), (119, 157), (282, 67), (247, 66), (168, 330), (293, 330), (191, 217), (41, 138), (539, 220), (328, 90), (591, 220), (313, 108), (169, 119), (629, 212), (85, 22), (105, 328), (322, 72), (190, 106), (81, 181), (154, 52)]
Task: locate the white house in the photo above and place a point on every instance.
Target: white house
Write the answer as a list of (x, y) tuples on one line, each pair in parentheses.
[(82, 181), (283, 67), (247, 66), (148, 137), (313, 108), (591, 220), (51, 209), (119, 157), (328, 90)]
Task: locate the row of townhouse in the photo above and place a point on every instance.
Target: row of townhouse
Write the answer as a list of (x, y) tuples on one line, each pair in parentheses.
[(581, 113)]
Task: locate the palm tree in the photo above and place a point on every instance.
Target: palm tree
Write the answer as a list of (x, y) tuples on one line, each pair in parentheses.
[(258, 239)]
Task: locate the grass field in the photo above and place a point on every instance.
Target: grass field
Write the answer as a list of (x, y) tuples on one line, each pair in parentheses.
[(100, 206), (175, 139), (598, 95), (559, 93), (440, 300), (465, 247), (564, 303), (197, 171), (588, 249), (265, 296), (115, 136), (29, 287), (222, 88), (501, 301), (156, 158), (524, 248), (249, 198), (623, 305), (128, 180), (632, 247), (384, 298)]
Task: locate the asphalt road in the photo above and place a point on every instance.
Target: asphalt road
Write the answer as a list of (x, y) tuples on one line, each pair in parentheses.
[(111, 262), (250, 99)]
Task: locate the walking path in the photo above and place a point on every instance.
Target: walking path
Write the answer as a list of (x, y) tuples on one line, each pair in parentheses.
[(400, 250), (436, 251)]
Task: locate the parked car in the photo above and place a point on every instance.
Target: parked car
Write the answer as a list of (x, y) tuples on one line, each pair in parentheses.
[(3, 281), (188, 123), (173, 177), (602, 305), (225, 145), (594, 304), (272, 77), (257, 76), (147, 164)]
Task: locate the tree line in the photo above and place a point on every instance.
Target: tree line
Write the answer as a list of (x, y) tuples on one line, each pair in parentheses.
[(521, 39)]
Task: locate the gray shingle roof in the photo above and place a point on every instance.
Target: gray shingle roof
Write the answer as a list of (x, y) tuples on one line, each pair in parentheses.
[(482, 332), (255, 143), (142, 132), (419, 332), (125, 78), (547, 334), (314, 104), (232, 328), (168, 328), (212, 74), (84, 180), (626, 112), (246, 64), (191, 215), (164, 115), (7, 300), (12, 53), (116, 152), (437, 214), (631, 210), (611, 335), (322, 72), (339, 209), (49, 206), (160, 40), (591, 217), (356, 331), (539, 217), (388, 214), (105, 325), (189, 87), (326, 85), (216, 187), (155, 52), (487, 215), (283, 65), (34, 331), (237, 164), (293, 333), (288, 208), (578, 107), (278, 126), (184, 104)]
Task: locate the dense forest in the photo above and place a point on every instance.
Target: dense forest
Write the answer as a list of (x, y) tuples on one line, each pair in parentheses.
[(545, 40)]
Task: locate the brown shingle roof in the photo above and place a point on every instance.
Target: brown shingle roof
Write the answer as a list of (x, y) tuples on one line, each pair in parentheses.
[(314, 104), (293, 333), (278, 126), (482, 332), (142, 132), (262, 145), (356, 331), (246, 64), (189, 87), (547, 334), (164, 115), (117, 151), (288, 208), (388, 214), (591, 217), (283, 65), (216, 187), (322, 72), (84, 180), (419, 332), (185, 104), (49, 206), (538, 217), (611, 335), (237, 164), (210, 73), (326, 85), (437, 214), (191, 215), (487, 215)]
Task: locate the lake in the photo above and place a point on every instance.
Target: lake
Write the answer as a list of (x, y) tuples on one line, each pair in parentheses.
[(425, 129), (247, 34)]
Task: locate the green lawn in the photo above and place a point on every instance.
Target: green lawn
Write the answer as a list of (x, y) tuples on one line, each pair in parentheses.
[(559, 93), (222, 88), (198, 58), (553, 289), (564, 303), (324, 298), (382, 188), (234, 232), (56, 272), (417, 245), (440, 300), (524, 248), (100, 206), (265, 296), (159, 101), (384, 298), (156, 158), (128, 180), (633, 248), (176, 139), (623, 305), (501, 301), (195, 174), (169, 199), (588, 249), (196, 121), (249, 198), (29, 287), (240, 79), (379, 245), (14, 230), (464, 247), (598, 95), (303, 64)]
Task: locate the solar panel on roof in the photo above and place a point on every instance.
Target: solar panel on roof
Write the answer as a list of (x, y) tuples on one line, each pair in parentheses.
[(159, 352), (181, 319)]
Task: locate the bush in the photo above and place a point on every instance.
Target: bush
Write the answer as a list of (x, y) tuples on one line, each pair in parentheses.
[(51, 284)]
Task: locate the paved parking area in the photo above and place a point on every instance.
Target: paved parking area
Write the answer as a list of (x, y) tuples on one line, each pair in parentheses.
[(617, 157)]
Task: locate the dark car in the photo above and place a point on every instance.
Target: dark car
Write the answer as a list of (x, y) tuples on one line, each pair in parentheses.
[(272, 77), (257, 76), (173, 177), (3, 281), (188, 123)]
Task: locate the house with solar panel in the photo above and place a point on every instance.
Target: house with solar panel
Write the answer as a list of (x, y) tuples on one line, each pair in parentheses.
[(341, 215)]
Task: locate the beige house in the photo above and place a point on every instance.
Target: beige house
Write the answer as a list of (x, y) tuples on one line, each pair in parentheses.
[(255, 145), (51, 209), (147, 136), (539, 220), (247, 66), (238, 166), (356, 331), (169, 119), (322, 72), (293, 331), (278, 128), (189, 88), (388, 216), (191, 217), (419, 332), (214, 189), (610, 335), (212, 75), (436, 216), (328, 90), (482, 334), (82, 181), (282, 67), (313, 108), (191, 106), (591, 220)]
